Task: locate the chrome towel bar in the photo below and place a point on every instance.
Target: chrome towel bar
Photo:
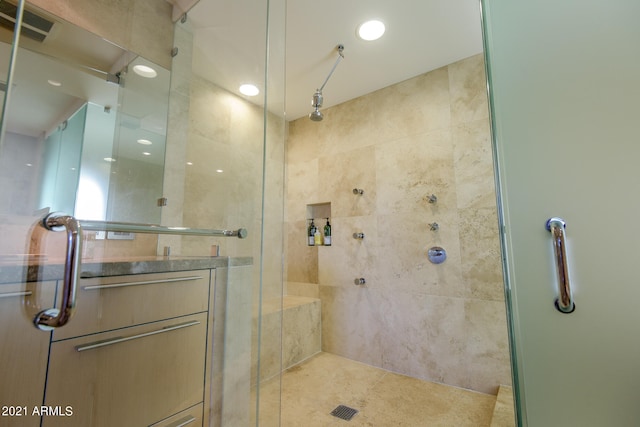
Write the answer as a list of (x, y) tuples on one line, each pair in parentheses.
[(56, 221), (131, 227)]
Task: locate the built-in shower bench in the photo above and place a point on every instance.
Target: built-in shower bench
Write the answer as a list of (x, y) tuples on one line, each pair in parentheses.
[(301, 332)]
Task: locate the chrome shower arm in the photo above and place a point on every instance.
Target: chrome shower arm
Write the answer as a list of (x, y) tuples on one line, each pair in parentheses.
[(340, 57), (316, 101)]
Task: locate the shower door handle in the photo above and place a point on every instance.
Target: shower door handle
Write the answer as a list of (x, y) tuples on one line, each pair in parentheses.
[(54, 318), (564, 303)]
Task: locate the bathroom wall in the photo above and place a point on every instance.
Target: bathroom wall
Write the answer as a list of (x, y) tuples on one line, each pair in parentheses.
[(20, 182), (427, 135), (220, 169)]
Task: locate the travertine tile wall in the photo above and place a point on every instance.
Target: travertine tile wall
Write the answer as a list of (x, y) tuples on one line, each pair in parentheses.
[(227, 133), (427, 135)]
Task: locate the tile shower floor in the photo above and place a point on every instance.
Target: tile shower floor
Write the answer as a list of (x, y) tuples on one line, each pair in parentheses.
[(311, 390)]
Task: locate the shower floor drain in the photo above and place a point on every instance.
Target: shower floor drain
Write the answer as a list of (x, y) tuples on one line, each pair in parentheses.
[(344, 412)]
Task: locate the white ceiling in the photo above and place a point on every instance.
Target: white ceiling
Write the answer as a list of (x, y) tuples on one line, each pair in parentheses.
[(229, 48), (421, 35)]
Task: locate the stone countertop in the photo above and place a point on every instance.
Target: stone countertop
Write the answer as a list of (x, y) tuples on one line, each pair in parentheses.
[(16, 272)]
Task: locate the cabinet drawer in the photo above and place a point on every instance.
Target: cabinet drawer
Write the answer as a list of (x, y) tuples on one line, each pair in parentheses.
[(192, 417), (129, 377), (108, 303)]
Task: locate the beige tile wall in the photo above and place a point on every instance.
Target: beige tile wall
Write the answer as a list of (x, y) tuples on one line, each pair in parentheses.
[(228, 133), (427, 135)]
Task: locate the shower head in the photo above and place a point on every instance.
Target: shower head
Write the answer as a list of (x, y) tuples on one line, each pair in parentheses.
[(316, 101), (316, 115)]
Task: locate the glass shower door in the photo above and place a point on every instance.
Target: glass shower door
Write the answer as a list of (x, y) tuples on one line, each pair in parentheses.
[(225, 154), (234, 150), (23, 348), (564, 92), (101, 366)]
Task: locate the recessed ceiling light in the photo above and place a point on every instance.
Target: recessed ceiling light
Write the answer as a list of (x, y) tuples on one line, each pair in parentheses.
[(144, 142), (54, 83), (146, 153), (109, 159), (249, 90), (219, 170), (144, 71), (190, 163), (371, 30)]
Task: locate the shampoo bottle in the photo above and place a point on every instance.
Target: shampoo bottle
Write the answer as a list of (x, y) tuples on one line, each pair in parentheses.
[(311, 234), (327, 233), (317, 238)]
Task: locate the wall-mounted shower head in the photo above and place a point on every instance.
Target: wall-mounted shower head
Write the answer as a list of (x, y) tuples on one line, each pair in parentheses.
[(316, 115), (316, 103), (317, 99)]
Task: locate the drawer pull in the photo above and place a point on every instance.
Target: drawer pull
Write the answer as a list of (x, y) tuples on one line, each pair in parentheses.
[(182, 422), (148, 282), (16, 294), (118, 340)]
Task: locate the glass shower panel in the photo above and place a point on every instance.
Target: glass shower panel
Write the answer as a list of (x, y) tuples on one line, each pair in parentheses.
[(50, 155), (24, 349), (95, 172), (269, 328), (230, 173), (40, 366), (61, 163), (564, 90), (138, 147)]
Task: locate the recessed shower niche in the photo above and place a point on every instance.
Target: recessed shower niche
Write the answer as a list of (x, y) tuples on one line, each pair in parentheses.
[(319, 224)]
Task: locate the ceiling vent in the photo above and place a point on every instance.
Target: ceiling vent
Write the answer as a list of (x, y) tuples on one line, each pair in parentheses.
[(33, 26)]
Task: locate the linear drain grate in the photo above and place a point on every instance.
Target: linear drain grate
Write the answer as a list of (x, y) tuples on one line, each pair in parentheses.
[(344, 412)]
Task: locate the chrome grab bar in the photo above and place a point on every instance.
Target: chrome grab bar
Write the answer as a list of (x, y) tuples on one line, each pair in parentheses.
[(54, 318), (16, 294), (131, 227), (118, 340), (564, 303)]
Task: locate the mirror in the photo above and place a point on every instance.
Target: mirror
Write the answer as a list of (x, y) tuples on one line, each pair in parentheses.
[(88, 118)]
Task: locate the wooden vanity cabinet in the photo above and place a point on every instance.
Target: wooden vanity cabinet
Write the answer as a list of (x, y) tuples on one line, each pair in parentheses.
[(135, 354), (23, 351), (108, 303)]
